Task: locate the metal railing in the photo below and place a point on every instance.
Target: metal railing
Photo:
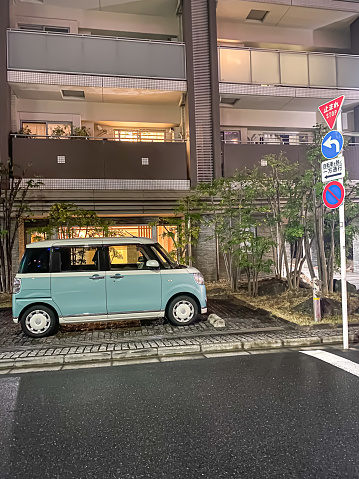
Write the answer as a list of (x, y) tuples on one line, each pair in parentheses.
[(98, 138), (286, 67)]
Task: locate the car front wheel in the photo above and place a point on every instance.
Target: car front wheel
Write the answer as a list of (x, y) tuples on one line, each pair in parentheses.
[(38, 321), (182, 310)]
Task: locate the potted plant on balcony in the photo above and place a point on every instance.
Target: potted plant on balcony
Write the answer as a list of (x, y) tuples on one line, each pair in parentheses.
[(58, 131), (82, 132), (25, 132)]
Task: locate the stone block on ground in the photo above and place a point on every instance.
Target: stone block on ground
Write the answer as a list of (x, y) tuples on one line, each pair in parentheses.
[(337, 287), (271, 287), (216, 321), (329, 307)]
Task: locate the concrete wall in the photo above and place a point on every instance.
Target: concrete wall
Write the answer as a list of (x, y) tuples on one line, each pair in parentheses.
[(100, 159), (75, 19), (232, 117), (135, 115)]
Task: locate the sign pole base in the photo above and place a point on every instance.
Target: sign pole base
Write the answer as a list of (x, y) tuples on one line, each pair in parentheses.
[(343, 267)]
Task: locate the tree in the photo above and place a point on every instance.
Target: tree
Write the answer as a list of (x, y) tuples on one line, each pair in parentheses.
[(183, 228), (232, 208), (14, 207), (325, 222)]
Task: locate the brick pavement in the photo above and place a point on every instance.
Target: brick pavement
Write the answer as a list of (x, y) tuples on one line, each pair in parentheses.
[(245, 329)]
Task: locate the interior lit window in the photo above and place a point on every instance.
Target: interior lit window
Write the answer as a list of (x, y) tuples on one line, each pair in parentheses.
[(140, 135), (141, 231), (59, 129), (34, 128), (43, 128)]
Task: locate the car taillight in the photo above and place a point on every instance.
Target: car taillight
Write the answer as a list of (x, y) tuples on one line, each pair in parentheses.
[(16, 285)]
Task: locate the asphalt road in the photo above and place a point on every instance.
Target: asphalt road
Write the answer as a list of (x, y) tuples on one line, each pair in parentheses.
[(283, 415)]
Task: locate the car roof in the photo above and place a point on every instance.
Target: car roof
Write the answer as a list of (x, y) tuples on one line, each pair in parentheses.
[(90, 241)]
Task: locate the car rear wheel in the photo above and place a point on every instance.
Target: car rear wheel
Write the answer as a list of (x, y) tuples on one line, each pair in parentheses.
[(38, 321), (182, 310)]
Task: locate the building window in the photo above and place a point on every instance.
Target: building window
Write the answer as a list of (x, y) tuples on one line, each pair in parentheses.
[(141, 231), (43, 28), (47, 128), (140, 135)]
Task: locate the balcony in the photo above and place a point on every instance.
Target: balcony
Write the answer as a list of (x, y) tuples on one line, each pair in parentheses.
[(74, 163), (302, 69), (94, 55), (238, 156)]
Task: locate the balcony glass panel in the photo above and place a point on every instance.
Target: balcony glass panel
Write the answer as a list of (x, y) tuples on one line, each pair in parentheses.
[(289, 68), (294, 69), (348, 71), (234, 65), (94, 55), (322, 71), (265, 67)]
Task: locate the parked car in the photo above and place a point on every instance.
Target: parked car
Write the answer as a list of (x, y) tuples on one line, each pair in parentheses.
[(99, 279)]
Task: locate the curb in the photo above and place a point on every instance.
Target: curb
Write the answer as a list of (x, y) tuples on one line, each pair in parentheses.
[(160, 352)]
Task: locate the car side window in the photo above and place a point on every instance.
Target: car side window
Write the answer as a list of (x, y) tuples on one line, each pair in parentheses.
[(35, 260), (74, 258), (129, 257)]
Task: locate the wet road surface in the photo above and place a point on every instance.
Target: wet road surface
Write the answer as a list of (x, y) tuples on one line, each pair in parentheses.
[(281, 415)]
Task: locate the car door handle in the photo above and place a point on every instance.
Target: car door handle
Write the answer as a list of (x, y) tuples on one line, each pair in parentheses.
[(117, 276), (96, 276)]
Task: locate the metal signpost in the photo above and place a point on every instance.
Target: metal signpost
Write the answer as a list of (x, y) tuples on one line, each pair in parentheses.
[(333, 194)]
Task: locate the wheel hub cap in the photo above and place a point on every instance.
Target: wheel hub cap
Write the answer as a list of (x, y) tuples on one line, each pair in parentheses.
[(183, 311), (37, 321)]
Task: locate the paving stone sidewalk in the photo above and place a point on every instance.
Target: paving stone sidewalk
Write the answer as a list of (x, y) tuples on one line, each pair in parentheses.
[(245, 329)]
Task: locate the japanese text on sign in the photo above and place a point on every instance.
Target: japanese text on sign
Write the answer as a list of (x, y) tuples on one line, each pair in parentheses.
[(331, 109), (332, 166)]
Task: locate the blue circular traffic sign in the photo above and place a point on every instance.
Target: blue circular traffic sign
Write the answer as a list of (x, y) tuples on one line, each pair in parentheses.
[(333, 194), (332, 144)]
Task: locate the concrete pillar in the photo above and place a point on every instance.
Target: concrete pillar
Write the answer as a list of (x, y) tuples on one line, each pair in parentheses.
[(202, 105), (354, 37), (356, 254), (5, 92)]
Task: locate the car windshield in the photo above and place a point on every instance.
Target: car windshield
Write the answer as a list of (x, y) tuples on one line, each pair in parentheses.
[(165, 258)]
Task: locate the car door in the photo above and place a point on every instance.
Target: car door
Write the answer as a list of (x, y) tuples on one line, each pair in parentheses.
[(78, 285), (131, 286)]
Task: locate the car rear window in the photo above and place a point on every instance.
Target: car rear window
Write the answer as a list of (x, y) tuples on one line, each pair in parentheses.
[(35, 260)]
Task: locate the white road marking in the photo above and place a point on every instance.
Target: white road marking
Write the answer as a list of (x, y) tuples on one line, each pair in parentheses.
[(337, 361), (8, 393)]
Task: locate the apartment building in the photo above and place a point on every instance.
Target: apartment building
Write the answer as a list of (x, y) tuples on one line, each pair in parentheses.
[(169, 93)]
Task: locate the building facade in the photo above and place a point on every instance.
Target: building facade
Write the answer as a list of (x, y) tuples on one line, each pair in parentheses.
[(169, 93)]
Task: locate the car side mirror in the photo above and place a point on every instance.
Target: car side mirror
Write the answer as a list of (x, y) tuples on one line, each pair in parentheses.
[(152, 264)]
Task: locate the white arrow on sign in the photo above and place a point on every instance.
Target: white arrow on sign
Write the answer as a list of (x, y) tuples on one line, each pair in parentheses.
[(329, 142)]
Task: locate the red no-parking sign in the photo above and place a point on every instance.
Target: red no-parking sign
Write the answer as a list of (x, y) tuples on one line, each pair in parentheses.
[(333, 194)]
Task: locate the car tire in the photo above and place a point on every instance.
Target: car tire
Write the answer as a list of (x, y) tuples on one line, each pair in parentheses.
[(182, 310), (38, 321)]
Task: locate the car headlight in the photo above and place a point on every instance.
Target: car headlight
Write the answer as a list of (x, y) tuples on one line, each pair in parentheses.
[(16, 285), (199, 279)]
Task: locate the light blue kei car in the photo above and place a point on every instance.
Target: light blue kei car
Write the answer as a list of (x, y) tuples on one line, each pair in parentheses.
[(99, 279)]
